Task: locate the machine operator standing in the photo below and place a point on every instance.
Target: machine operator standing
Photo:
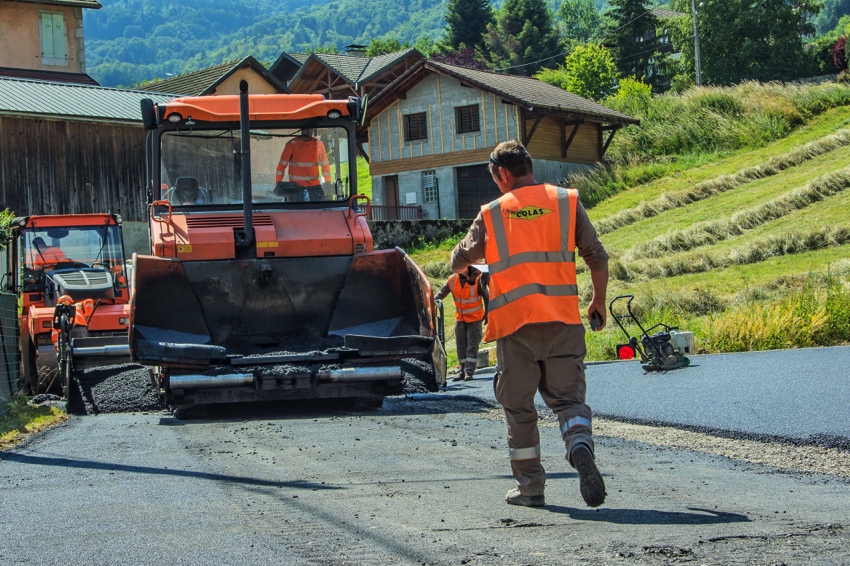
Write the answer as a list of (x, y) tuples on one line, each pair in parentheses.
[(529, 237), (307, 161)]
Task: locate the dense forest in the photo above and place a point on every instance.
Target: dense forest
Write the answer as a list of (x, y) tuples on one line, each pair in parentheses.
[(131, 41)]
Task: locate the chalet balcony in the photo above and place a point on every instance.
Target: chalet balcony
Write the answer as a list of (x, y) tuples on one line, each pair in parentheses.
[(388, 212)]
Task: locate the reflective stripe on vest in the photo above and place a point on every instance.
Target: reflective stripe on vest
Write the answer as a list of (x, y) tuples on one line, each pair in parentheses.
[(530, 250), (305, 159), (469, 305)]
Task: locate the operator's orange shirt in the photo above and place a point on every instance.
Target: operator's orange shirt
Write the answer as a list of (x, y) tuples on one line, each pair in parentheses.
[(50, 255), (304, 157)]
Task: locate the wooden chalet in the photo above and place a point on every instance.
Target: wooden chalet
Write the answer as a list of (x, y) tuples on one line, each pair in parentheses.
[(431, 132)]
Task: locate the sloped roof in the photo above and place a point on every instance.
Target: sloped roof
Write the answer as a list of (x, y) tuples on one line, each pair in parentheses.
[(81, 3), (52, 99), (354, 69), (381, 62), (204, 81), (526, 92), (350, 67), (287, 65), (51, 76)]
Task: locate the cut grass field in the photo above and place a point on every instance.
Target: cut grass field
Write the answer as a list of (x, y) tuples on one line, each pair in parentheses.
[(748, 251)]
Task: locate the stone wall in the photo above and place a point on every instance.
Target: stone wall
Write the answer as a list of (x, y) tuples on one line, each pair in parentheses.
[(403, 233)]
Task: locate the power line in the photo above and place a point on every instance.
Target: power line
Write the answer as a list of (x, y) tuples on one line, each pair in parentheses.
[(565, 53)]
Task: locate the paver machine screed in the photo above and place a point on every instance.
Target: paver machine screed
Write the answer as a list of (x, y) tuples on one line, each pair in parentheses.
[(58, 264), (263, 283)]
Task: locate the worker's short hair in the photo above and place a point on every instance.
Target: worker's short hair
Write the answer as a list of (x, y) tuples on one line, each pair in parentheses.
[(512, 156)]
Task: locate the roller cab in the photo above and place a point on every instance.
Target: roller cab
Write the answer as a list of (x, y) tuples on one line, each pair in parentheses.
[(71, 258)]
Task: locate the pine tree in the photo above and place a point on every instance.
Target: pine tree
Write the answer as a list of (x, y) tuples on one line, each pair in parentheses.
[(523, 39), (580, 22), (631, 32), (467, 22)]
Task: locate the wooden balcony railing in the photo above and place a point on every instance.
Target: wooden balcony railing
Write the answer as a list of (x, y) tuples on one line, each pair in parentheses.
[(383, 212)]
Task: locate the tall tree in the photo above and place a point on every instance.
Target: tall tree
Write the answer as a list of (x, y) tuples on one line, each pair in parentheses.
[(588, 71), (630, 30), (523, 39), (579, 21), (745, 40), (384, 45), (832, 11), (467, 22)]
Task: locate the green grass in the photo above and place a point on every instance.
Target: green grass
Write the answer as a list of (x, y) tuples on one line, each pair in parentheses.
[(21, 420), (749, 249)]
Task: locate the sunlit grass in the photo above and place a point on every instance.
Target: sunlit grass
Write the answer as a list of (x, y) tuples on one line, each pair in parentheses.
[(21, 420)]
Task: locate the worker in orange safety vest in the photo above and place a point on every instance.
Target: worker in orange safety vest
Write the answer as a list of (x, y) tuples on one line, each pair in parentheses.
[(529, 238), (82, 313), (46, 256), (469, 290), (304, 156)]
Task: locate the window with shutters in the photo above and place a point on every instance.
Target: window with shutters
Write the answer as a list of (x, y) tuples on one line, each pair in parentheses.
[(467, 119), (54, 39), (415, 127)]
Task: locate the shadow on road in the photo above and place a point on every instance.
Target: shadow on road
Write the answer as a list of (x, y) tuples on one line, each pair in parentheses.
[(419, 404), (107, 466), (650, 516)]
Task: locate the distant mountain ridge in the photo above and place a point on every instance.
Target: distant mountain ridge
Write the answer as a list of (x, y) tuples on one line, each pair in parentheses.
[(130, 41)]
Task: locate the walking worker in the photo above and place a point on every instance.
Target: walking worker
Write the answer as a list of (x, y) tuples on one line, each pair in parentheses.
[(529, 237), (304, 156), (469, 291)]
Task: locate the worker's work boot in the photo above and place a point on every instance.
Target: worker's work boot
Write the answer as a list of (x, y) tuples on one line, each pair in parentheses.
[(468, 377), (458, 377), (590, 480), (514, 497)]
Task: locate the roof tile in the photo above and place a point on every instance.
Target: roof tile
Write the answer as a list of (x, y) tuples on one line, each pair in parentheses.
[(531, 92)]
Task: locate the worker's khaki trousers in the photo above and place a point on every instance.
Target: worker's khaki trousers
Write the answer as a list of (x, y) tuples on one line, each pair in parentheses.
[(468, 340), (549, 358)]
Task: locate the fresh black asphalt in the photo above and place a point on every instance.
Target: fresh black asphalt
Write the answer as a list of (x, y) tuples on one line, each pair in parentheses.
[(801, 394)]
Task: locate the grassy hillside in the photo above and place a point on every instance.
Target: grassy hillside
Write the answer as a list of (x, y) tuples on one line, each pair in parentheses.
[(750, 250)]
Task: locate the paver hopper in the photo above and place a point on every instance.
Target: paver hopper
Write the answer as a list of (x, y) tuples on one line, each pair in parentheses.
[(263, 283)]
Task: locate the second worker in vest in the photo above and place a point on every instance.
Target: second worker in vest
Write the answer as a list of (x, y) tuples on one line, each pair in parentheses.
[(469, 291), (529, 237), (307, 161)]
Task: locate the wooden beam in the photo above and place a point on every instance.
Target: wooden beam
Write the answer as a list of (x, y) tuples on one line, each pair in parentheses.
[(576, 124), (530, 135), (608, 141)]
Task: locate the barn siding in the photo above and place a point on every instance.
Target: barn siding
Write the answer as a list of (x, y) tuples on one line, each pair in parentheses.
[(50, 166)]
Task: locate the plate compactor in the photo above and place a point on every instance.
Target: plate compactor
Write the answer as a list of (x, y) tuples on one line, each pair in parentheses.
[(661, 351)]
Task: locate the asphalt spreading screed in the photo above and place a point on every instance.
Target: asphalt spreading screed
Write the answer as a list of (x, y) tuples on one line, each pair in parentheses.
[(127, 388)]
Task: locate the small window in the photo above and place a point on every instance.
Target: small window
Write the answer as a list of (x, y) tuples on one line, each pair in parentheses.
[(54, 39), (415, 127), (430, 185), (467, 119)]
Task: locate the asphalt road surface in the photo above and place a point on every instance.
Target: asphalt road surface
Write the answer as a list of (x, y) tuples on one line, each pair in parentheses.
[(420, 481), (791, 394)]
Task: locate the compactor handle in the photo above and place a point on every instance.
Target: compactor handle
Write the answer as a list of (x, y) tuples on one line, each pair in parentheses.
[(165, 203)]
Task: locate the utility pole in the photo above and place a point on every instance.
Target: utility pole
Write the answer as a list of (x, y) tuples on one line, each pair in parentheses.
[(696, 43)]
